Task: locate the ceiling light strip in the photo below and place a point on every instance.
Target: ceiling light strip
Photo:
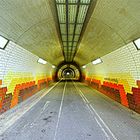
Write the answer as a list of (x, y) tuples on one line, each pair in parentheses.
[(72, 23), (60, 35), (72, 20), (63, 3), (83, 27), (62, 18), (75, 25), (67, 26)]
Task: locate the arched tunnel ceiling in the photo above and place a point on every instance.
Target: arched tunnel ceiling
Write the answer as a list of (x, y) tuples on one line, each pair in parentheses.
[(31, 24), (113, 24)]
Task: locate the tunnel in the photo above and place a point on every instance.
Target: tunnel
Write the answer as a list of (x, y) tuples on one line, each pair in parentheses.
[(69, 69)]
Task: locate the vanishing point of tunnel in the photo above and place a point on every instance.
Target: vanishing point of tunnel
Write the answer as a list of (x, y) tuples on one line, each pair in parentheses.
[(69, 69)]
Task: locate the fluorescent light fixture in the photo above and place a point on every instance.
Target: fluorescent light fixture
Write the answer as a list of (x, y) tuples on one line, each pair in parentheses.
[(84, 66), (3, 42), (137, 43), (74, 8), (41, 61), (97, 61), (53, 66)]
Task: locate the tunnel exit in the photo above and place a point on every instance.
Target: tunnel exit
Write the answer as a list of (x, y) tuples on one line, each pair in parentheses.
[(68, 71), (68, 74)]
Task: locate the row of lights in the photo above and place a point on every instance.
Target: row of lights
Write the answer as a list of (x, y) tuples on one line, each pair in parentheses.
[(4, 42), (42, 61), (95, 62), (99, 60)]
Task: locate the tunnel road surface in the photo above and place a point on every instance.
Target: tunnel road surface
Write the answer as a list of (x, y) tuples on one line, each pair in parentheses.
[(74, 111)]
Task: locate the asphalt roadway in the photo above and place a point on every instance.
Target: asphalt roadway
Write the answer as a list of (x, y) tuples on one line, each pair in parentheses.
[(69, 111)]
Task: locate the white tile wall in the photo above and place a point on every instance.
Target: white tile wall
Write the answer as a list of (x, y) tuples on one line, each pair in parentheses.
[(124, 60), (16, 59)]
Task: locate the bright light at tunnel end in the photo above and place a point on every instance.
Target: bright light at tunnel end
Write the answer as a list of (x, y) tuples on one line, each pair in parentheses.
[(41, 61), (137, 43), (68, 73), (97, 61)]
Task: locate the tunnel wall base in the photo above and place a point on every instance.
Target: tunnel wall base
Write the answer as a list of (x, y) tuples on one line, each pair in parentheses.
[(117, 93), (118, 76), (21, 93), (21, 76)]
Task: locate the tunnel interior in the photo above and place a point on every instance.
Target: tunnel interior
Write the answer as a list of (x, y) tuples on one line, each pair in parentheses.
[(74, 65), (68, 73), (45, 41)]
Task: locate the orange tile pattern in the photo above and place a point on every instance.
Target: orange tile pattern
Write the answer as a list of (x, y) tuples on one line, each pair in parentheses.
[(118, 93), (21, 92)]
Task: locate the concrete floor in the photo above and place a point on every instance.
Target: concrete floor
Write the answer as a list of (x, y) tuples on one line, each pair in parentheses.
[(69, 111)]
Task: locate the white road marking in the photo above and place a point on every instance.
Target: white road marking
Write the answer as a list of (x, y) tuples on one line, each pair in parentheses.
[(60, 111), (107, 136), (7, 122), (98, 119), (34, 121), (45, 106), (103, 123), (102, 128)]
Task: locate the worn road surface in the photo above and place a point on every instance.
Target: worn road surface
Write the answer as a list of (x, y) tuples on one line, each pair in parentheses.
[(69, 111)]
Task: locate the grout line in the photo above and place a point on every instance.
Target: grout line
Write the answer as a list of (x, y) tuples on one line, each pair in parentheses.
[(60, 111), (92, 110)]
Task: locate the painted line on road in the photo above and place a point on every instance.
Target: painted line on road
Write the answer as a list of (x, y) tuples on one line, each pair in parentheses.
[(60, 111), (45, 106), (107, 136), (102, 128), (98, 119), (4, 125)]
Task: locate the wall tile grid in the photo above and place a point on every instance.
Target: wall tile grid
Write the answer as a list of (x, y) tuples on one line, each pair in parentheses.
[(20, 76), (118, 76)]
